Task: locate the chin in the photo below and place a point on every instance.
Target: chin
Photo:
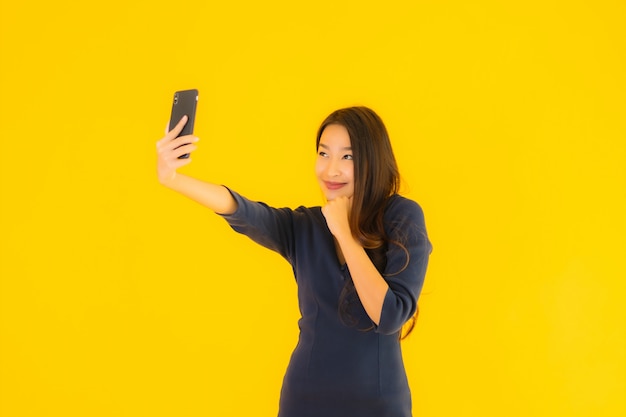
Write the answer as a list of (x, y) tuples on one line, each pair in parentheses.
[(330, 195)]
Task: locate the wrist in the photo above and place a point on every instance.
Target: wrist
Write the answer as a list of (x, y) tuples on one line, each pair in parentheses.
[(168, 180), (347, 241)]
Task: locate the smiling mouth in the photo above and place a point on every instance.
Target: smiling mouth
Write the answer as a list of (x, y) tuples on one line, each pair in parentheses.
[(334, 185)]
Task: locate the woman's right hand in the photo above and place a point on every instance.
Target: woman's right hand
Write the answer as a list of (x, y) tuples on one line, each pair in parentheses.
[(170, 148)]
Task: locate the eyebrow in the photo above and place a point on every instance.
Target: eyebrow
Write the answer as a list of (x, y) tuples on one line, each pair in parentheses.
[(347, 148)]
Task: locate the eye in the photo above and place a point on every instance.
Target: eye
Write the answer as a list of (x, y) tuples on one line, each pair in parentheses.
[(347, 157), (322, 154)]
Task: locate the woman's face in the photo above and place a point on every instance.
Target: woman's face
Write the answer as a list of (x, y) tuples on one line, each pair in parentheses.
[(334, 166)]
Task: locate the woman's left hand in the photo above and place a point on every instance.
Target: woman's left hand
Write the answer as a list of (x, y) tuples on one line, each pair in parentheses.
[(336, 214)]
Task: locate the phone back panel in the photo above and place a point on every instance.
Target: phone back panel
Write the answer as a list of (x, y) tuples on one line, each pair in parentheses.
[(184, 103)]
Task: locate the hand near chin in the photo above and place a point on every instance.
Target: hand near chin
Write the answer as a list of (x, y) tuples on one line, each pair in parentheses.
[(336, 213)]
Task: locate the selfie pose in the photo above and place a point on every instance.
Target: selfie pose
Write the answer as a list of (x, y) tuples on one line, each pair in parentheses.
[(359, 262)]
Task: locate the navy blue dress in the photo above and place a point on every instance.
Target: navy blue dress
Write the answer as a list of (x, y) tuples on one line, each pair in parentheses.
[(339, 369)]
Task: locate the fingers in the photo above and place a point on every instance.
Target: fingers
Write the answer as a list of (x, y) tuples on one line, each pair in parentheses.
[(173, 134), (183, 150), (166, 144), (168, 160), (336, 206), (171, 148), (176, 148), (179, 127), (176, 163), (336, 213)]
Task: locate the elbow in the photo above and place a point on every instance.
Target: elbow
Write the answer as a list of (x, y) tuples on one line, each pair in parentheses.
[(391, 327), (395, 313)]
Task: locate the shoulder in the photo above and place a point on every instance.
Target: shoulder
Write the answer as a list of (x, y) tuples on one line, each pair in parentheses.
[(403, 217), (404, 222), (309, 215), (399, 207), (308, 211)]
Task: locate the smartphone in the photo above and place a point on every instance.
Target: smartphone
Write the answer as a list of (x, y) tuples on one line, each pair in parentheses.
[(184, 104)]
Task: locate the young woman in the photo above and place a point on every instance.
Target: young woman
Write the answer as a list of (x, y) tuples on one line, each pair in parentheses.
[(359, 262)]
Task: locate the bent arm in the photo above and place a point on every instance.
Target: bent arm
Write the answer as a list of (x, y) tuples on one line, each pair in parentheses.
[(389, 299), (407, 260), (369, 283)]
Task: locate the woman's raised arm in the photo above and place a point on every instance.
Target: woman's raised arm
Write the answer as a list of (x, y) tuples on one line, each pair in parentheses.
[(169, 149)]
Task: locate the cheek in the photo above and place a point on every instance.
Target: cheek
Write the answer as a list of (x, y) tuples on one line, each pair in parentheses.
[(349, 170), (319, 167)]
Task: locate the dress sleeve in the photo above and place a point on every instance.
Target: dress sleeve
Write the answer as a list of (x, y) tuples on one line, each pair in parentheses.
[(407, 259), (267, 226)]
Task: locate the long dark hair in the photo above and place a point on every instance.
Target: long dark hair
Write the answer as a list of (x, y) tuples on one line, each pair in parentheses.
[(376, 179)]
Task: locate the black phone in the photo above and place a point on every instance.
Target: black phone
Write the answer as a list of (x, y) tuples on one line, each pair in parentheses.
[(184, 104)]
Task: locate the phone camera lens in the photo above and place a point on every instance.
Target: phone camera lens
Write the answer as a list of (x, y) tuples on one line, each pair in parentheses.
[(175, 98)]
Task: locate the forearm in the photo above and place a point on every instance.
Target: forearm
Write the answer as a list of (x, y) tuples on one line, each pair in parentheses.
[(369, 283), (213, 196)]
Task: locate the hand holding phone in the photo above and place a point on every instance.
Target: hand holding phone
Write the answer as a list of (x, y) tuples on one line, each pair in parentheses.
[(184, 104)]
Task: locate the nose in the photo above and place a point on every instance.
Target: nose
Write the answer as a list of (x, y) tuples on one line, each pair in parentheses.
[(332, 169)]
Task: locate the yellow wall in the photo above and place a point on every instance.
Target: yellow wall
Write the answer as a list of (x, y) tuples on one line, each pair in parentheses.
[(121, 298)]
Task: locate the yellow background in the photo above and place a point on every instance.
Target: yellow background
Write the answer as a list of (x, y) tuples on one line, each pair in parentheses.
[(121, 298)]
